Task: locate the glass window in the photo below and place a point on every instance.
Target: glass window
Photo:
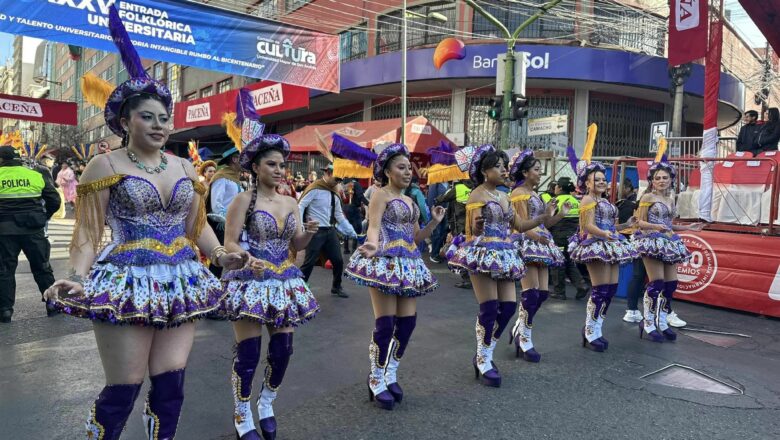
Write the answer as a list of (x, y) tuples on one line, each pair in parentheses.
[(224, 85), (421, 29), (354, 43), (629, 28), (159, 69), (623, 124), (190, 97), (291, 5), (174, 75), (206, 91), (558, 23), (108, 74)]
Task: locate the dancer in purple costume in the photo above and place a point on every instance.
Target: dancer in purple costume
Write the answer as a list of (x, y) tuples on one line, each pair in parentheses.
[(537, 249), (389, 263), (149, 277), (489, 255), (601, 248), (270, 291), (661, 251)]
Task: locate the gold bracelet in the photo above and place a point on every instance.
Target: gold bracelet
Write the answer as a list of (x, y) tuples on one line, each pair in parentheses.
[(216, 253)]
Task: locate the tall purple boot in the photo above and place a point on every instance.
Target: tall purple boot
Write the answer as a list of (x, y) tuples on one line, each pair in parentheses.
[(112, 408), (591, 332), (506, 310), (404, 326), (611, 291), (665, 308), (280, 348), (247, 355), (522, 330), (484, 369), (378, 352), (163, 404), (648, 324)]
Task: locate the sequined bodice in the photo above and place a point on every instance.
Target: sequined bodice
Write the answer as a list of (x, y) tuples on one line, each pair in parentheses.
[(396, 233), (497, 220), (144, 229), (605, 214), (660, 214), (269, 241), (536, 208)]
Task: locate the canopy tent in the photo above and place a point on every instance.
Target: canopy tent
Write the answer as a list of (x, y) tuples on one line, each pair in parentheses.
[(766, 15), (420, 134)]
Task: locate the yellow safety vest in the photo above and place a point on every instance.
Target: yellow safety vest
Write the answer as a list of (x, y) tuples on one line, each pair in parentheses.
[(575, 204), (546, 197), (18, 182), (462, 193)]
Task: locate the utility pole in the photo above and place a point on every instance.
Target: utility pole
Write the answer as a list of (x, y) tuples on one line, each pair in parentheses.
[(509, 64), (678, 75)]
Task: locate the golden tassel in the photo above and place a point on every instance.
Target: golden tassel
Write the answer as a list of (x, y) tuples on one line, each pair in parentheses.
[(344, 168), (662, 145), (200, 217), (233, 132), (469, 208), (439, 173), (96, 90), (590, 142), (90, 212)]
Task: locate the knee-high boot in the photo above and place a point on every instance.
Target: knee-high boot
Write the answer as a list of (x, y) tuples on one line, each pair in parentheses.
[(665, 308), (378, 352), (404, 326), (591, 333), (648, 324), (163, 404), (484, 368), (110, 412), (521, 332), (245, 359), (506, 310), (610, 293), (280, 348)]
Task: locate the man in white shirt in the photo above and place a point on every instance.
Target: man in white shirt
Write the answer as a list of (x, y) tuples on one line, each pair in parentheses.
[(224, 187), (320, 202)]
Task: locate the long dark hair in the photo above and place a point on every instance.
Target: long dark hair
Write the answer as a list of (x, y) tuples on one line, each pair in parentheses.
[(383, 179), (487, 161), (527, 163)]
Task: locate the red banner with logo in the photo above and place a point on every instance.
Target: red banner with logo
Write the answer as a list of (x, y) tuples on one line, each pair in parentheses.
[(712, 75), (688, 21), (38, 110), (737, 271), (270, 98)]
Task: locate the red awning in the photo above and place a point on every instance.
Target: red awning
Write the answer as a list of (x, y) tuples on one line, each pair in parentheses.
[(420, 134), (38, 110), (766, 15), (270, 97)]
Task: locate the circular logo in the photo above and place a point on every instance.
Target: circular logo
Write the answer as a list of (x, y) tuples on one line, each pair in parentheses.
[(695, 275)]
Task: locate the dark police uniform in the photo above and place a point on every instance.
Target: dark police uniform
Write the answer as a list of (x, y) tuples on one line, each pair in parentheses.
[(27, 201)]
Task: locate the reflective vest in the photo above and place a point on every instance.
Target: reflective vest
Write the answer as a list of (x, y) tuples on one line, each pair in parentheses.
[(462, 193), (546, 197), (18, 182), (575, 204)]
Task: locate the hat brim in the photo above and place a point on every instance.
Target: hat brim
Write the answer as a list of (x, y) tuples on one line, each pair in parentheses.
[(129, 88)]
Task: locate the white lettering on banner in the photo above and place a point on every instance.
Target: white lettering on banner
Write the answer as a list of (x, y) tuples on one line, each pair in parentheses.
[(550, 125), (687, 16), (266, 97), (421, 129), (21, 108), (532, 62), (198, 112), (285, 52), (349, 131), (698, 273)]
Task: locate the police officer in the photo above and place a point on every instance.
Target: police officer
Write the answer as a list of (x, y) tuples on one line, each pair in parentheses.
[(456, 197), (561, 232), (22, 220)]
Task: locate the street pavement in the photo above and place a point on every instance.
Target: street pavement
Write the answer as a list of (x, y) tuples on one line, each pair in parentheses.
[(50, 374)]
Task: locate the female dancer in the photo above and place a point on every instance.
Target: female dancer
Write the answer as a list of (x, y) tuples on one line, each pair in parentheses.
[(148, 277), (270, 291), (489, 256), (661, 250), (389, 263), (601, 248), (538, 249)]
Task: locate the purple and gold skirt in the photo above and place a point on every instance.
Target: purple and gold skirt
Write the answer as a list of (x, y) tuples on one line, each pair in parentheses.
[(659, 246), (392, 275), (533, 252), (498, 259), (600, 250), (161, 295)]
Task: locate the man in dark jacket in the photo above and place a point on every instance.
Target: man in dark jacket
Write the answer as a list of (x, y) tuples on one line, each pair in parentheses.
[(748, 132), (27, 201)]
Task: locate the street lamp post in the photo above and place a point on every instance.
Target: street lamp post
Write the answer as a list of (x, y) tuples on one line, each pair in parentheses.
[(509, 65), (433, 15)]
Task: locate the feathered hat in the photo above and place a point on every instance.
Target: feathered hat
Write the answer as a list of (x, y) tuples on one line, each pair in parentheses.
[(474, 156), (660, 162), (585, 167), (33, 152), (84, 152), (444, 165)]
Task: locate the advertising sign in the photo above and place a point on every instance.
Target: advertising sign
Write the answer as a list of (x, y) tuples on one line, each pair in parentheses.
[(550, 125), (186, 33), (38, 110)]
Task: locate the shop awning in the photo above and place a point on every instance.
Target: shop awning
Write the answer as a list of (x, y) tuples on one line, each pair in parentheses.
[(420, 134), (766, 15), (270, 98), (38, 110)]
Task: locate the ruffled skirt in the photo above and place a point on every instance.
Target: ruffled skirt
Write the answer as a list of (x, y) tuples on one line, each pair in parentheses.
[(275, 302), (533, 252), (399, 276), (498, 260), (662, 247), (162, 295), (599, 250)]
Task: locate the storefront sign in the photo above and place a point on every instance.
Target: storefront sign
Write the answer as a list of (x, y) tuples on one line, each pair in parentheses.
[(550, 125), (187, 33), (38, 110), (737, 271)]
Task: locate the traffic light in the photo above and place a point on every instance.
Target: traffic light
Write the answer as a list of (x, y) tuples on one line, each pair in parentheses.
[(494, 112), (519, 107)]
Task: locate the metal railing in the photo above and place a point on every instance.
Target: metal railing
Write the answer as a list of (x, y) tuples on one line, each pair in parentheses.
[(690, 146)]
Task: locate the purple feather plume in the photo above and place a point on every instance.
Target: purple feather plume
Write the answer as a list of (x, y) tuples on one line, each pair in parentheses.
[(572, 155), (444, 154), (346, 149), (122, 41), (245, 107)]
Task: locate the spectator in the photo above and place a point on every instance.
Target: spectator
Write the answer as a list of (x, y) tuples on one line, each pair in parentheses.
[(354, 202), (440, 233), (67, 180), (457, 196), (561, 233), (550, 193), (769, 134), (225, 186), (748, 132)]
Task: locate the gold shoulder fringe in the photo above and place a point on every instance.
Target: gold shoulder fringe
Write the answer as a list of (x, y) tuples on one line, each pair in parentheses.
[(90, 212), (200, 217), (469, 208), (520, 198)]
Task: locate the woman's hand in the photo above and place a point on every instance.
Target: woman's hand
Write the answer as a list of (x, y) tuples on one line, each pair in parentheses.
[(234, 260), (549, 210), (255, 264), (311, 226), (438, 213), (367, 249), (66, 287), (565, 208), (543, 240)]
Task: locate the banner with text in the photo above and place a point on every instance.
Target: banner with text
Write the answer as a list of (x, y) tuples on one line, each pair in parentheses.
[(549, 125), (38, 110), (688, 21), (186, 33)]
